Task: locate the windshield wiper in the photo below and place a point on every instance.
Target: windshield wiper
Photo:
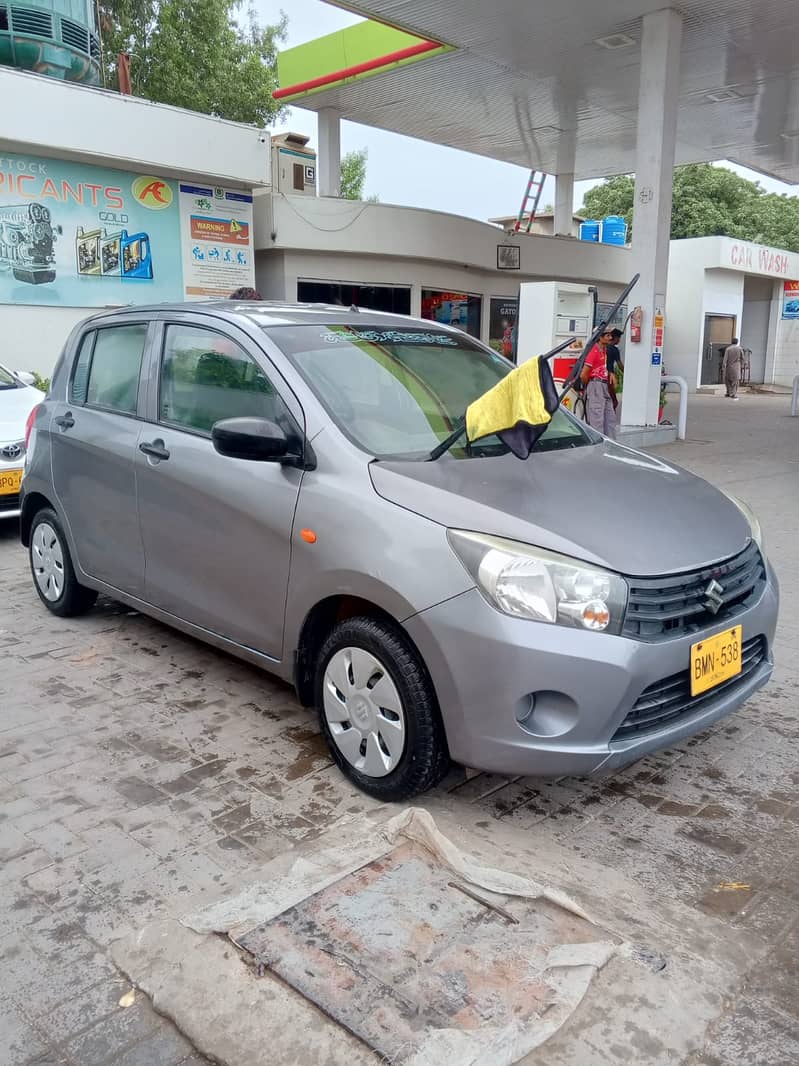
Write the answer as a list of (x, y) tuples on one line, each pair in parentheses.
[(447, 443)]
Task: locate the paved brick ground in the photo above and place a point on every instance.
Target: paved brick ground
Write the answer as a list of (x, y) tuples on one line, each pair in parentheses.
[(141, 772)]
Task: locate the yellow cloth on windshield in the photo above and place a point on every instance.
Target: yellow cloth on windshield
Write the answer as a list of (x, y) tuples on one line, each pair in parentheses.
[(519, 397)]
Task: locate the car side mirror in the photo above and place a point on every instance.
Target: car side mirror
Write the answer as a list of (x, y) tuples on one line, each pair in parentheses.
[(256, 439), (25, 377)]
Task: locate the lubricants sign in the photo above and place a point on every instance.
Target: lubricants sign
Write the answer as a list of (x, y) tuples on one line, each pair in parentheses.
[(84, 236)]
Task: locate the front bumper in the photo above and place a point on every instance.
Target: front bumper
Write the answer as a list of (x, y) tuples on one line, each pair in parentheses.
[(11, 510), (489, 670), (10, 503)]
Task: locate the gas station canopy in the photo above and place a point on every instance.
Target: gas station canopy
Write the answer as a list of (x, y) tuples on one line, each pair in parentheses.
[(515, 80)]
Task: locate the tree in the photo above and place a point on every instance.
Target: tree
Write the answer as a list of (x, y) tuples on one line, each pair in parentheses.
[(709, 201), (353, 176), (195, 55), (712, 201)]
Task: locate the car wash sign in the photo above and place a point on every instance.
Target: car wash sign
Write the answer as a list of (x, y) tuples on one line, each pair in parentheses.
[(790, 300), (758, 259)]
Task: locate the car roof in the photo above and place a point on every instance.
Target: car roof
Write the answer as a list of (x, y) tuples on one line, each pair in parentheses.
[(268, 313)]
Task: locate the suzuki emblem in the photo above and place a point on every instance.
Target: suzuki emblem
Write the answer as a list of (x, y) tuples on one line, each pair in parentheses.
[(714, 600)]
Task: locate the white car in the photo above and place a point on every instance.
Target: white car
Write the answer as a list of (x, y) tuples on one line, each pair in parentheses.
[(18, 398)]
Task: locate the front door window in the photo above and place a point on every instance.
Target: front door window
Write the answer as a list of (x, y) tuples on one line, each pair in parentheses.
[(206, 377)]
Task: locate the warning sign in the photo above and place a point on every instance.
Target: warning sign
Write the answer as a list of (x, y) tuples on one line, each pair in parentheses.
[(216, 231), (224, 230)]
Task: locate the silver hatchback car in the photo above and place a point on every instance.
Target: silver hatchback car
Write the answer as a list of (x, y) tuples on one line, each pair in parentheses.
[(267, 479)]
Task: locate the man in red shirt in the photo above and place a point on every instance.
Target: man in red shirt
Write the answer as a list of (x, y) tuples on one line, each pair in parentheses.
[(599, 412)]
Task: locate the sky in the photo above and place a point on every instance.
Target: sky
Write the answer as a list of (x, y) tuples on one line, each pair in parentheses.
[(431, 176)]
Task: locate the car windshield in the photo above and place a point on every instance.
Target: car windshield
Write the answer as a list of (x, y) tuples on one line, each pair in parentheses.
[(398, 392), (7, 379)]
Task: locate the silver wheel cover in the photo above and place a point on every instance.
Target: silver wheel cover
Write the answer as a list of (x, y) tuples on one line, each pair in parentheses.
[(364, 712), (47, 558)]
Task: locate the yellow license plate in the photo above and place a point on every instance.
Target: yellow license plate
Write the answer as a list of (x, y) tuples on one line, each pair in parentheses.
[(715, 660), (10, 481)]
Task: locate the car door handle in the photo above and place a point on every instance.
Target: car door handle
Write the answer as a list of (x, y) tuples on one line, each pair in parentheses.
[(65, 421), (155, 449)]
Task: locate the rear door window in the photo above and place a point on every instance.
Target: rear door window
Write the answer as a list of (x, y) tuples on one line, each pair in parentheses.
[(107, 369), (80, 374), (207, 377)]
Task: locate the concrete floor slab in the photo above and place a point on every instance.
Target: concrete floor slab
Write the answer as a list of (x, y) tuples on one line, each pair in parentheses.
[(660, 1015)]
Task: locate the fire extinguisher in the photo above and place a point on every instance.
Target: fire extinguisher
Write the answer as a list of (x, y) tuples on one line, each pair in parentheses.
[(636, 319)]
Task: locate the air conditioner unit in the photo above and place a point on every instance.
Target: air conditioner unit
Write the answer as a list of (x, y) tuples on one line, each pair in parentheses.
[(293, 165)]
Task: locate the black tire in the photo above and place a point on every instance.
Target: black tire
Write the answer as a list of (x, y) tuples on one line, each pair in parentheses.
[(74, 598), (425, 759)]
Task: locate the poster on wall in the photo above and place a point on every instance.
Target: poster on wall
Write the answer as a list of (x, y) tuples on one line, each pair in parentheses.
[(458, 309), (502, 326), (790, 299), (77, 235), (216, 232)]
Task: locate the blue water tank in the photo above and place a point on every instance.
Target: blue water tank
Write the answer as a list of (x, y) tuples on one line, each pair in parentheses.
[(614, 230), (589, 230)]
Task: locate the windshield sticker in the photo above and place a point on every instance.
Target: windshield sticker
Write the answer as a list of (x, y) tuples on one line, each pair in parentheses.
[(388, 336)]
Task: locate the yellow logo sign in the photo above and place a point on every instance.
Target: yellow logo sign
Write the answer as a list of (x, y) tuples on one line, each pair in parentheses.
[(235, 227), (152, 192)]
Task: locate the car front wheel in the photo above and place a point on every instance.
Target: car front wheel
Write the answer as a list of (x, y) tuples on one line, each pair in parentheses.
[(378, 711), (53, 573)]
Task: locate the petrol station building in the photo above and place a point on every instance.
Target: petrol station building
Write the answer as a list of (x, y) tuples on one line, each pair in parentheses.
[(568, 90)]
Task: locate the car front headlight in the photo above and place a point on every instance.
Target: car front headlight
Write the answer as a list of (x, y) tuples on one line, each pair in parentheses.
[(539, 585), (755, 528)]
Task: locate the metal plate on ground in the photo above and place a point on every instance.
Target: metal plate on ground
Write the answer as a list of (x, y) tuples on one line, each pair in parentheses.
[(394, 951)]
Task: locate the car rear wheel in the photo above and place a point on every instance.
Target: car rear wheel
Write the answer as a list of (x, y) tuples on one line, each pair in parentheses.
[(53, 573), (378, 711)]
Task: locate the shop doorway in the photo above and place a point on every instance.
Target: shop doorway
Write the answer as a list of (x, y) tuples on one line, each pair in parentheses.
[(758, 293), (719, 331)]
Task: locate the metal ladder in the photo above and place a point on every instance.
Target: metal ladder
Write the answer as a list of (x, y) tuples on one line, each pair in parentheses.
[(532, 194)]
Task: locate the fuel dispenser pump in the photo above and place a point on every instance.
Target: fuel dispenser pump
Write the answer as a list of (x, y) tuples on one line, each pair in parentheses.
[(551, 312)]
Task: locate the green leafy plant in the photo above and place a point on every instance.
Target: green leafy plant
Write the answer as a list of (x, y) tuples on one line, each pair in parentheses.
[(42, 384), (353, 176), (201, 55)]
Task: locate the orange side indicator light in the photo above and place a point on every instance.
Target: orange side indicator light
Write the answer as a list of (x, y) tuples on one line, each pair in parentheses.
[(308, 536)]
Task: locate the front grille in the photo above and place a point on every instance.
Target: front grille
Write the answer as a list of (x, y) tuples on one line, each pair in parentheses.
[(74, 35), (668, 700), (660, 608), (30, 21)]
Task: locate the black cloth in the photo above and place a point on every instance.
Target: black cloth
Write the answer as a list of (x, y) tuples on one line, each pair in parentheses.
[(613, 356)]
